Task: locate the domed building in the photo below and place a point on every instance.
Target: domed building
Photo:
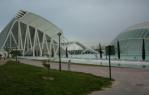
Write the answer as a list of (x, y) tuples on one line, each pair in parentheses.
[(131, 42)]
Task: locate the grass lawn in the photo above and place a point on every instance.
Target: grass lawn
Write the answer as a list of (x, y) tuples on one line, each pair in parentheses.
[(22, 79)]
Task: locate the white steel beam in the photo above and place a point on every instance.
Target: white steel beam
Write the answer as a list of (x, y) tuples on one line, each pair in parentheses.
[(43, 41), (25, 42), (20, 36), (38, 41), (47, 46), (13, 38), (34, 42), (8, 34), (56, 49)]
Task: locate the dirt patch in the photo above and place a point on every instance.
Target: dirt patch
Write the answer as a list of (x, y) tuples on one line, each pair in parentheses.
[(48, 78)]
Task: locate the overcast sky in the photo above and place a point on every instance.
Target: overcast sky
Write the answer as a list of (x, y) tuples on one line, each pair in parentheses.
[(87, 21)]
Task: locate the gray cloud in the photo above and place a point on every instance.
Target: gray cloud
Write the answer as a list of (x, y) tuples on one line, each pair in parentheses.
[(88, 21)]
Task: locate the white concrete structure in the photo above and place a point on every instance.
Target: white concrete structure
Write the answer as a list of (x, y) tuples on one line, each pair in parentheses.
[(32, 35)]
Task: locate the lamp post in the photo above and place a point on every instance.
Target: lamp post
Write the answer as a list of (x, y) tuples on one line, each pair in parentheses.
[(109, 50), (59, 36)]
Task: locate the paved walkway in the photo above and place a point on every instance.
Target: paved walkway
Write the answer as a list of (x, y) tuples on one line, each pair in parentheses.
[(127, 81)]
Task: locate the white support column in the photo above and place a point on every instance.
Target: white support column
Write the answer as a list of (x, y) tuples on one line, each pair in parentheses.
[(10, 40), (20, 36), (56, 50), (25, 42), (19, 41), (47, 46), (39, 43), (8, 34), (43, 41), (30, 40), (51, 45), (29, 36), (13, 37), (34, 42)]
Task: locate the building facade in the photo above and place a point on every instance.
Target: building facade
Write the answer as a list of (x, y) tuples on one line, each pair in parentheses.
[(131, 42), (31, 35)]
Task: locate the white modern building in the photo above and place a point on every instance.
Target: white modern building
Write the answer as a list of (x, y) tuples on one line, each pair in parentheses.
[(131, 42), (33, 35)]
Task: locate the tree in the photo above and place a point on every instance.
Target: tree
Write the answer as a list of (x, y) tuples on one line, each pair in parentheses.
[(118, 50), (143, 50), (66, 52), (15, 53), (100, 51)]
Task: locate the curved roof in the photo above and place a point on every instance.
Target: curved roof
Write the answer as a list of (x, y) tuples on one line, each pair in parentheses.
[(137, 31), (131, 41), (140, 26), (79, 46), (40, 23)]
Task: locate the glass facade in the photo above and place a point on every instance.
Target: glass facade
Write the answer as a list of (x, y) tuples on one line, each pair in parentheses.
[(131, 43)]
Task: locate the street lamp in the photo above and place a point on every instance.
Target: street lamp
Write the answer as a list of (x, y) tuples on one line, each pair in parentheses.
[(59, 35), (109, 50)]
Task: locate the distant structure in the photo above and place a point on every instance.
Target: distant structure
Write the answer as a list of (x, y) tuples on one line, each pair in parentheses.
[(81, 51), (77, 48), (131, 42), (35, 36)]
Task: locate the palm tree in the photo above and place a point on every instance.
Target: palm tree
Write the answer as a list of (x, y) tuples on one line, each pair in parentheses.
[(118, 50), (143, 50)]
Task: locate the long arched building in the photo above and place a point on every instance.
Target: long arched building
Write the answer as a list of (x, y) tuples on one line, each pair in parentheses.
[(31, 34), (34, 36)]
